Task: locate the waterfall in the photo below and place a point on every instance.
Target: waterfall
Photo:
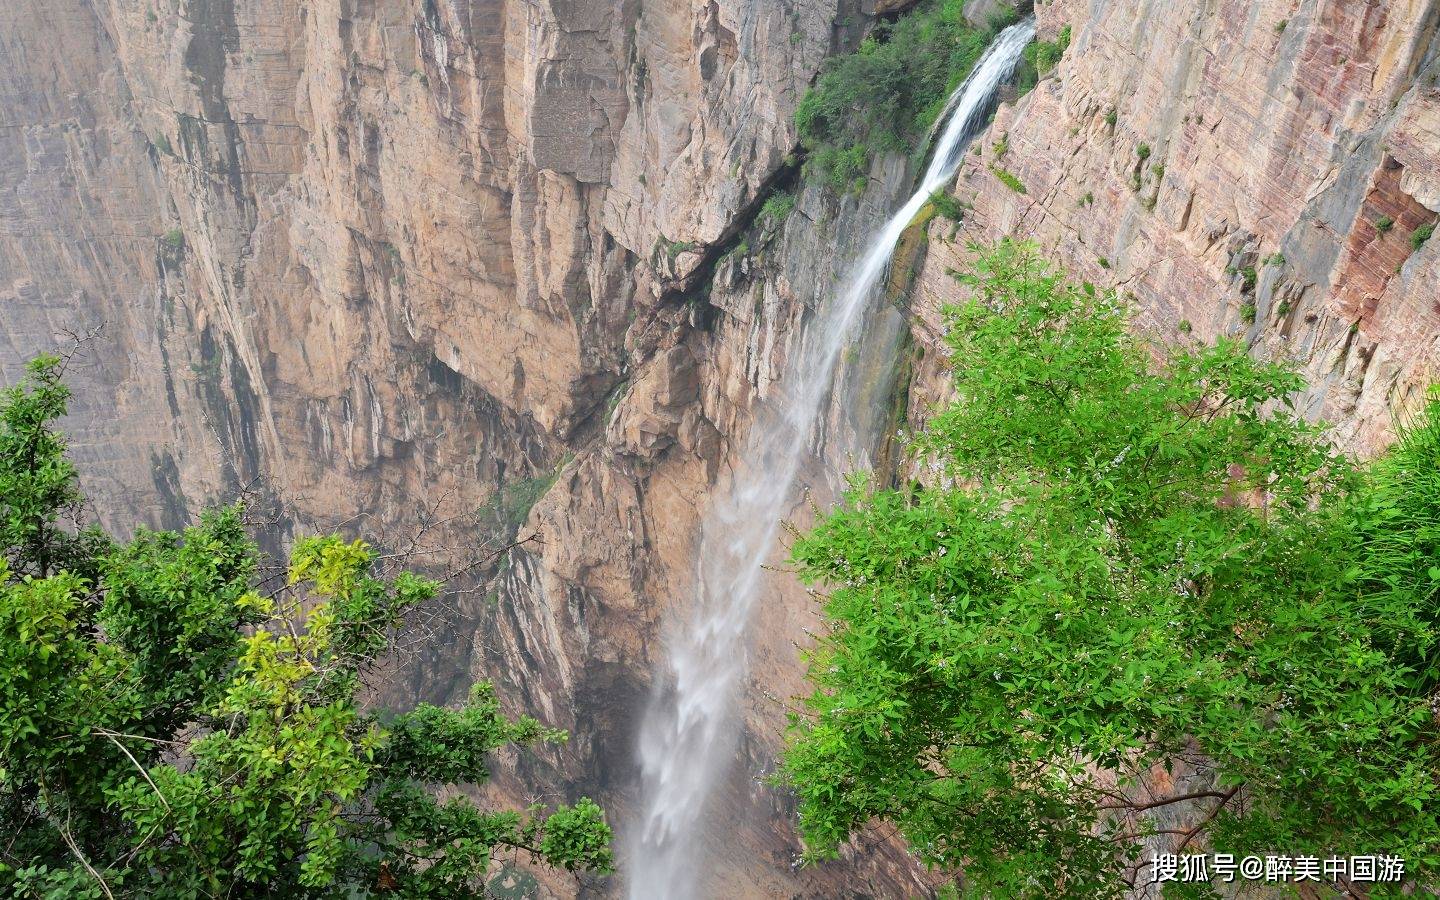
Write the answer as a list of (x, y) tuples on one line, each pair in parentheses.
[(691, 730)]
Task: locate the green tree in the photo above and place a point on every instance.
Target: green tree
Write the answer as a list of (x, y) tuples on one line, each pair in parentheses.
[(883, 97), (1136, 598), (38, 495), (173, 725)]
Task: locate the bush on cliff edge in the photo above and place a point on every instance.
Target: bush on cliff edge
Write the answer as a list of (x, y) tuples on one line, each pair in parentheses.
[(1133, 601), (886, 95), (174, 725)]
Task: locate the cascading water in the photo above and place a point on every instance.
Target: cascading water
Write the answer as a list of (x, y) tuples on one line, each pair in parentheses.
[(690, 732)]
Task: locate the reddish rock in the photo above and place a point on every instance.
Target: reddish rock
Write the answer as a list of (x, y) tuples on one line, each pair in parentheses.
[(1283, 134)]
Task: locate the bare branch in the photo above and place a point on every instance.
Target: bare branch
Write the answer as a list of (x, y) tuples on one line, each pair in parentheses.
[(1201, 825), (75, 849), (1141, 807)]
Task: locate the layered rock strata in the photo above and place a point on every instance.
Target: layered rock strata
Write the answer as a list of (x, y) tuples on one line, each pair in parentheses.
[(1266, 171), (390, 264)]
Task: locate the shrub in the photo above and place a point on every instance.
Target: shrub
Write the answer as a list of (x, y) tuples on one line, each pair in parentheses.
[(1247, 313), (673, 249), (840, 167), (1127, 561), (1384, 224), (1419, 236), (1008, 179), (884, 97), (947, 205), (1045, 55), (1143, 151), (1026, 75), (510, 505), (176, 722), (777, 207), (174, 239)]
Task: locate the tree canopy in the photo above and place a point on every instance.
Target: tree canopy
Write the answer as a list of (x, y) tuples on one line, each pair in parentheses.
[(883, 97), (173, 725), (1136, 603)]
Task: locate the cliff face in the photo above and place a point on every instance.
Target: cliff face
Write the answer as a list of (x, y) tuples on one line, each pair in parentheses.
[(363, 203), (383, 260), (392, 257), (1248, 169)]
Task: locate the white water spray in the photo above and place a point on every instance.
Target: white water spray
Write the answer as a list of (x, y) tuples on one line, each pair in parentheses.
[(690, 732)]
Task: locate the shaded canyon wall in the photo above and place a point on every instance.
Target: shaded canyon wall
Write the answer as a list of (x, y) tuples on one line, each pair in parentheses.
[(379, 261)]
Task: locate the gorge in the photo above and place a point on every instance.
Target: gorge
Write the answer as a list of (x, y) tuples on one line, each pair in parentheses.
[(391, 263), (687, 739)]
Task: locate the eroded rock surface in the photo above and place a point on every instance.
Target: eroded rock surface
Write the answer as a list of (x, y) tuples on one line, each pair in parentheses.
[(385, 258), (1250, 169), (390, 257)]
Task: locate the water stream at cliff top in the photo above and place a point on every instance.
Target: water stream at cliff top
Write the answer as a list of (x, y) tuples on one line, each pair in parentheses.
[(691, 731)]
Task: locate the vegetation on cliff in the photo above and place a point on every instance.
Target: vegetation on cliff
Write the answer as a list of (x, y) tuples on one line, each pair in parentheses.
[(176, 722), (886, 95), (1040, 58), (1132, 599)]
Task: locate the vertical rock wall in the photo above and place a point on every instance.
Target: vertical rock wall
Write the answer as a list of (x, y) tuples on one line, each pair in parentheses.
[(382, 259), (1246, 169), (389, 257)]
